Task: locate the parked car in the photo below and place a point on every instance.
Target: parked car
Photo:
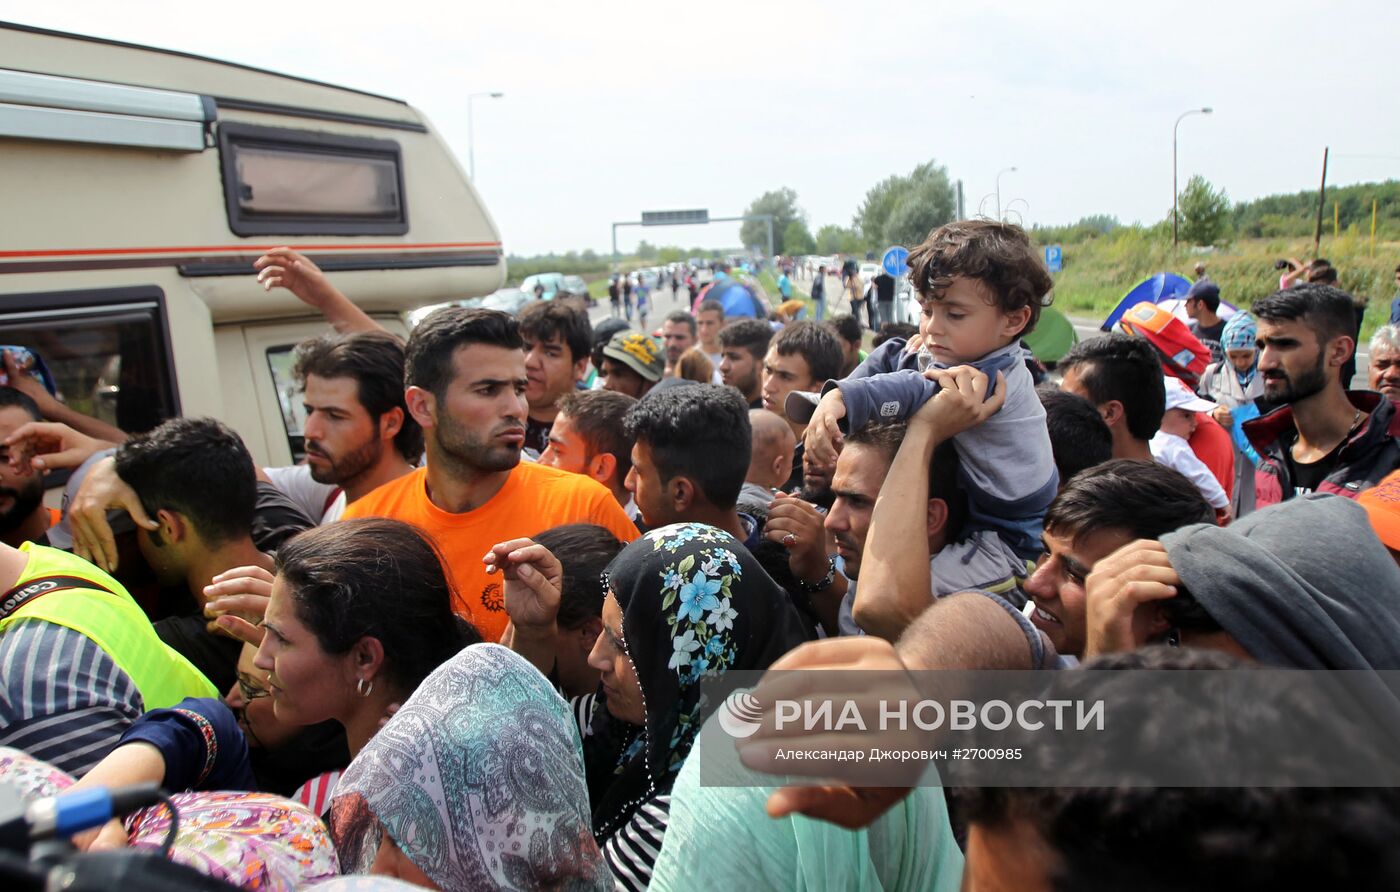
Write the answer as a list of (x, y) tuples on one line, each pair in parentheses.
[(507, 300), (574, 285), (552, 283)]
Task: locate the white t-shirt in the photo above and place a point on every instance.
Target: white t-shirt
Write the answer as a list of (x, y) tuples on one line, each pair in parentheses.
[(318, 500), (1174, 452)]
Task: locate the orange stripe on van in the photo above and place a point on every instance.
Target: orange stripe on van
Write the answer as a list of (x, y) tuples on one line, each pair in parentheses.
[(242, 249)]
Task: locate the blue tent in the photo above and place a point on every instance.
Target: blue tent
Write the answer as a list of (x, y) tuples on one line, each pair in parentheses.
[(736, 298), (1153, 289)]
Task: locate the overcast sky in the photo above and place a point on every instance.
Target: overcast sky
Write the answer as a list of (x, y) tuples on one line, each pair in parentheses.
[(612, 108)]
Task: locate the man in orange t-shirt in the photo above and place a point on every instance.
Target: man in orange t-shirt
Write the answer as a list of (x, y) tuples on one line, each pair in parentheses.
[(465, 384)]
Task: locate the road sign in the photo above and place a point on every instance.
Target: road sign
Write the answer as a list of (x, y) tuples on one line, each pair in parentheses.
[(896, 261), (675, 218), (1054, 258)]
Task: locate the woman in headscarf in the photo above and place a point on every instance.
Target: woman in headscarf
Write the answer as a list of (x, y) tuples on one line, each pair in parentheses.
[(248, 840), (685, 602), (475, 783), (1233, 383), (360, 612)]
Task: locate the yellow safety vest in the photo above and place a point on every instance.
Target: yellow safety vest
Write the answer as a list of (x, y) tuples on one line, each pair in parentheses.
[(115, 622)]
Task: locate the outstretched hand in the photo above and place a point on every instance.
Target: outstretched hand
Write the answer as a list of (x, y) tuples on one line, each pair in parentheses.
[(46, 445), (243, 592), (533, 580), (292, 270), (28, 383)]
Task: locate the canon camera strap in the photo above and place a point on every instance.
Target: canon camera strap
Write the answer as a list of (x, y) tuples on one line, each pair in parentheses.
[(20, 595)]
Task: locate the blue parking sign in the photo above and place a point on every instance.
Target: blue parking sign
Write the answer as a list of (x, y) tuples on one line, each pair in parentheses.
[(1054, 258), (896, 261)]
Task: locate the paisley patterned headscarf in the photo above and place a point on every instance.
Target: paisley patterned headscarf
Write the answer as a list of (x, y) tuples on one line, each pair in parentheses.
[(1240, 334), (479, 781), (695, 604)]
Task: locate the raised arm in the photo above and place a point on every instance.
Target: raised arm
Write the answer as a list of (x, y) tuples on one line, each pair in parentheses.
[(533, 580), (285, 268), (896, 585), (55, 410)]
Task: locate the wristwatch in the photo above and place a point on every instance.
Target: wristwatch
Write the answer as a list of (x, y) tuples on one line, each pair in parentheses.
[(823, 583)]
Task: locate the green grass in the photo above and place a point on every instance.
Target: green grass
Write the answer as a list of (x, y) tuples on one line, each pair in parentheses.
[(769, 283), (1098, 272)]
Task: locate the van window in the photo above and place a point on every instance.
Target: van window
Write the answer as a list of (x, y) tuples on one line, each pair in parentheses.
[(296, 182), (280, 361), (105, 349)]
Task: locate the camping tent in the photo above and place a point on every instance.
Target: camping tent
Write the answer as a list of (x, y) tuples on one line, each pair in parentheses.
[(737, 298)]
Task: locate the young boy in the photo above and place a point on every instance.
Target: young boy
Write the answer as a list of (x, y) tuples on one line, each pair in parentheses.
[(1169, 446), (981, 286)]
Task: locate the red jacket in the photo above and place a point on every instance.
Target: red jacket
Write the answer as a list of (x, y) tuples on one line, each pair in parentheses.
[(1371, 452)]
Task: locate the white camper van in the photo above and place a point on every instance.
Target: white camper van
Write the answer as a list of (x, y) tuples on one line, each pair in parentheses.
[(138, 187)]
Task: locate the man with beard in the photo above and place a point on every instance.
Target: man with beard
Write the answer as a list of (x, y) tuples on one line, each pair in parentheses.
[(1322, 438), (465, 383), (742, 346), (956, 561), (23, 517), (358, 433)]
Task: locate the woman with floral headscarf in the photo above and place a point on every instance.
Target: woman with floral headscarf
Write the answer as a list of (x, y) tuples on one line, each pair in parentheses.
[(684, 603), (1233, 383)]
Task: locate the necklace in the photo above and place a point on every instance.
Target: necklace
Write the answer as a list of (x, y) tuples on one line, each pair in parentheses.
[(1355, 423)]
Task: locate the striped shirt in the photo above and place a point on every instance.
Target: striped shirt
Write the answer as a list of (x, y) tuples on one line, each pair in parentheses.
[(631, 852), (62, 698)]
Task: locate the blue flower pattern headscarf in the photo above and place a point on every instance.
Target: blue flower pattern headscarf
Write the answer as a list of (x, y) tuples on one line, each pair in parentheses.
[(695, 604)]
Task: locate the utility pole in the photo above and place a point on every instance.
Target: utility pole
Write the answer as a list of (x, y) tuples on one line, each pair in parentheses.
[(1321, 202), (999, 173), (471, 132)]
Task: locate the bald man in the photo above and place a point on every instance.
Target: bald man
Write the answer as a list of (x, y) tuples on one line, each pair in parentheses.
[(771, 462)]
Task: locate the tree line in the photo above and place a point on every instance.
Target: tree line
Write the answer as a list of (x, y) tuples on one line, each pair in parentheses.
[(902, 209)]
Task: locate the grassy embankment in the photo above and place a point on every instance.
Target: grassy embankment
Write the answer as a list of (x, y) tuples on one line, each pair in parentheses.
[(1098, 272)]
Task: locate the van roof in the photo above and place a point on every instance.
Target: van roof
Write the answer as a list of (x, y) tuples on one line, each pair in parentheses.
[(48, 32)]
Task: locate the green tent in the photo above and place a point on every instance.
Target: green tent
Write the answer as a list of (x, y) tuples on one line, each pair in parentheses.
[(1053, 336)]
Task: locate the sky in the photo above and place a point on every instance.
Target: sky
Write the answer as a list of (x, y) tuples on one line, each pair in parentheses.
[(612, 107)]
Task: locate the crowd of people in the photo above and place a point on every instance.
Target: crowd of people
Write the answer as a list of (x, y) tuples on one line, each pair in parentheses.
[(461, 645)]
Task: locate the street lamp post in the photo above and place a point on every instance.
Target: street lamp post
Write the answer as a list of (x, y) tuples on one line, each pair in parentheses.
[(999, 173), (1194, 111), (471, 132)]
